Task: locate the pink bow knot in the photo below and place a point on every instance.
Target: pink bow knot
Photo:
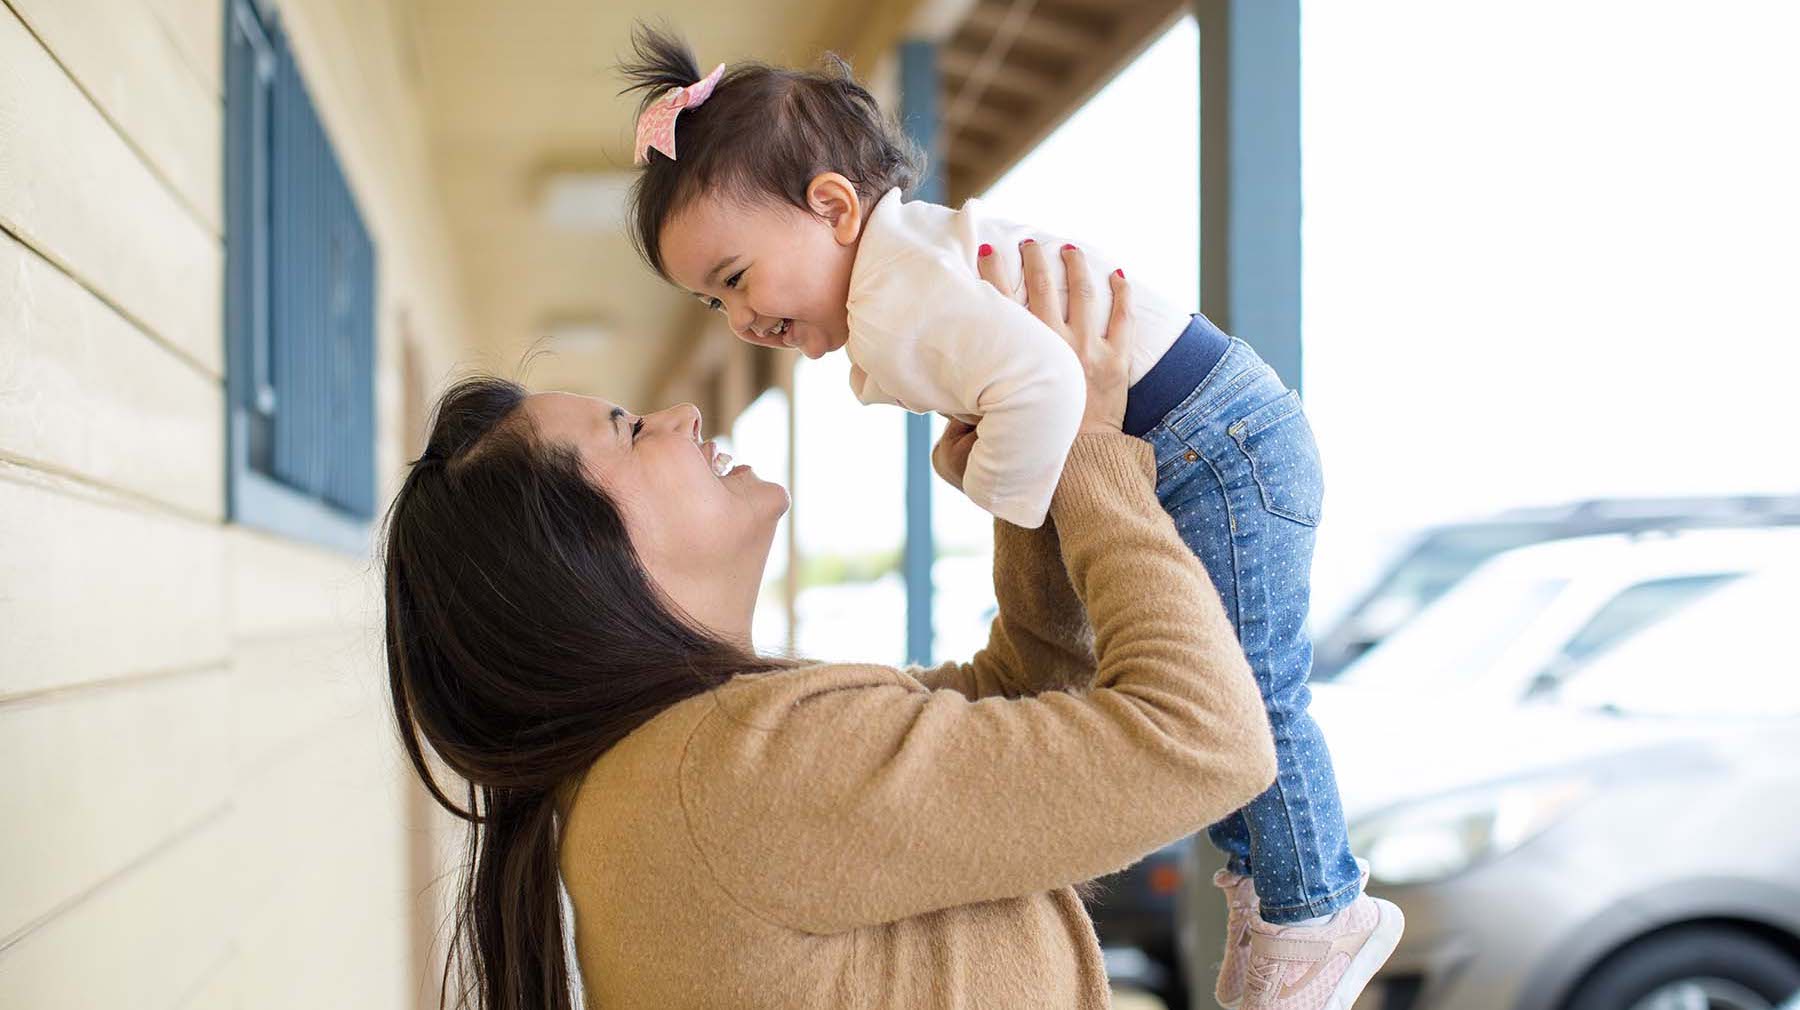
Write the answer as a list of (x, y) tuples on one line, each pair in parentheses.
[(656, 127)]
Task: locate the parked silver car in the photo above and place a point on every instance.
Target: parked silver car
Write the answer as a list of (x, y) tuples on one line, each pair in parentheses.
[(1437, 559), (1629, 839)]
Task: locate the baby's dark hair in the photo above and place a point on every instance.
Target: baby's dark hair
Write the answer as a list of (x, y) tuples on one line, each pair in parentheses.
[(764, 134)]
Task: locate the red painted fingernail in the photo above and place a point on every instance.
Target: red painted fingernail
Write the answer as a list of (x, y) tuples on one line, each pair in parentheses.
[(1120, 272), (1067, 246), (985, 250), (1029, 241)]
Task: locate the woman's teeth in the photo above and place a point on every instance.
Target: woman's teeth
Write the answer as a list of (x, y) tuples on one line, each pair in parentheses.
[(779, 330), (721, 464)]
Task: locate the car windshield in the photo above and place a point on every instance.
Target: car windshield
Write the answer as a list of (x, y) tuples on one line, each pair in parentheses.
[(1431, 569), (1459, 638), (1632, 610), (1730, 654)]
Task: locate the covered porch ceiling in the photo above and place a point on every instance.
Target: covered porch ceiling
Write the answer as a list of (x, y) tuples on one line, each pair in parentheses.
[(532, 147)]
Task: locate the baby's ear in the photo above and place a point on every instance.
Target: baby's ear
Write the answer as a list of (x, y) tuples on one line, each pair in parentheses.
[(834, 199)]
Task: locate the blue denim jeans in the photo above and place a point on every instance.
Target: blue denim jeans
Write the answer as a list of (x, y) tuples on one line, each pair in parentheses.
[(1237, 468)]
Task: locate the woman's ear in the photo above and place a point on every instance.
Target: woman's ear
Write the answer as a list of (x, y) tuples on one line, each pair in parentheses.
[(834, 199)]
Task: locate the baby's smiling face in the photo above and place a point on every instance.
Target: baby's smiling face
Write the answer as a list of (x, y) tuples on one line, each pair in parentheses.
[(780, 275)]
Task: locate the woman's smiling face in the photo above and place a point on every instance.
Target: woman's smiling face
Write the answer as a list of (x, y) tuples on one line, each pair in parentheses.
[(684, 519)]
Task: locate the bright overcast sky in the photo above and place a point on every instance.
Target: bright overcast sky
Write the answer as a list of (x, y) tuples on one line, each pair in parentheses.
[(1550, 252)]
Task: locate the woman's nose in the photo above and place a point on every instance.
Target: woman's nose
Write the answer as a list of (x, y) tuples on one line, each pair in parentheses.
[(685, 419)]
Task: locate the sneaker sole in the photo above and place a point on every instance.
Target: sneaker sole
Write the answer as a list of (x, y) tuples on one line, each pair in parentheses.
[(1371, 957)]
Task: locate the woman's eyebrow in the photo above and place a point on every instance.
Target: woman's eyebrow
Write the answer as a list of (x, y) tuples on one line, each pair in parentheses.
[(614, 417)]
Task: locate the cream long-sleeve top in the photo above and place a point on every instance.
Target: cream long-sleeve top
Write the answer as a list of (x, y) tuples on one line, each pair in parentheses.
[(928, 334), (855, 836)]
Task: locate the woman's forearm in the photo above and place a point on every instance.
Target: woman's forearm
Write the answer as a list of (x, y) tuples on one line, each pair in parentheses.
[(1040, 641), (1163, 642)]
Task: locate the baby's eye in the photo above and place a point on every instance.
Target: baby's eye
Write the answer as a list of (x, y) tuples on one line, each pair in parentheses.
[(732, 281), (715, 305)]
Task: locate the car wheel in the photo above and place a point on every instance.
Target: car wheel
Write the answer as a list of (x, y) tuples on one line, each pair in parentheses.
[(1703, 968)]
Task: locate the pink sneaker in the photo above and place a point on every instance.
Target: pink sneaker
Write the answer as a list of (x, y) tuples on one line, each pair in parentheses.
[(1240, 899), (1320, 967)]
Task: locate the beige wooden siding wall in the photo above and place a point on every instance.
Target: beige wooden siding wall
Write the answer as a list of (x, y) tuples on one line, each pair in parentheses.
[(200, 801)]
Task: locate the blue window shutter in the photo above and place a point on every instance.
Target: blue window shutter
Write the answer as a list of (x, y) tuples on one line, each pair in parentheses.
[(322, 310), (299, 305)]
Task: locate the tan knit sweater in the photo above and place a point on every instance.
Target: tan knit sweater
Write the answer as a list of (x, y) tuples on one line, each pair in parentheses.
[(851, 836)]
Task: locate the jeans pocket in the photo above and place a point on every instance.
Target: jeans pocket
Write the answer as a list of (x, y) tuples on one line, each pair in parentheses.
[(1277, 441)]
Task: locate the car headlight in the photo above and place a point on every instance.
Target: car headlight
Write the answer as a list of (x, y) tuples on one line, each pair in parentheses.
[(1428, 841)]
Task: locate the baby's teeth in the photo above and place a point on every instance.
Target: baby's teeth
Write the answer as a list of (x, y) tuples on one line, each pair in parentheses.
[(721, 464)]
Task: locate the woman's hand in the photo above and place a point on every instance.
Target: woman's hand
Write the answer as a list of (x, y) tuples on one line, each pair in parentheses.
[(1102, 345), (950, 457)]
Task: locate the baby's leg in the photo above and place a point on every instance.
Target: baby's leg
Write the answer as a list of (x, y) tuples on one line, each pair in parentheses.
[(1238, 471)]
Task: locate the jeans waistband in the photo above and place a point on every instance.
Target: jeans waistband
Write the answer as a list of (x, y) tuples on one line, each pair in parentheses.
[(1180, 372)]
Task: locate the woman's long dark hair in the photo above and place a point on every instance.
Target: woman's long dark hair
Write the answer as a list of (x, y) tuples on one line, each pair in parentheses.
[(524, 639)]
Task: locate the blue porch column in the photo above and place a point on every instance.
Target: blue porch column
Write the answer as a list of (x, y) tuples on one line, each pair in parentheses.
[(1250, 174), (919, 117)]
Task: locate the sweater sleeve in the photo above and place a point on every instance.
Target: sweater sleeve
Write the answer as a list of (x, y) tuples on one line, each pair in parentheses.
[(1040, 641), (936, 337), (852, 797)]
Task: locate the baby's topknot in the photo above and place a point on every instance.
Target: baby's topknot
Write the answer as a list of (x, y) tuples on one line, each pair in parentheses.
[(764, 134)]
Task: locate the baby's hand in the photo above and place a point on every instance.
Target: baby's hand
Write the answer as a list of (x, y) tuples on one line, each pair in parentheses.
[(1103, 345)]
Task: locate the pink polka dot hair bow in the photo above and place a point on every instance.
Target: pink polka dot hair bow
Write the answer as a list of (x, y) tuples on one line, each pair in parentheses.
[(656, 127)]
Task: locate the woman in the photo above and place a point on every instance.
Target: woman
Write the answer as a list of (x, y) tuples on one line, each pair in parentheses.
[(569, 591)]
